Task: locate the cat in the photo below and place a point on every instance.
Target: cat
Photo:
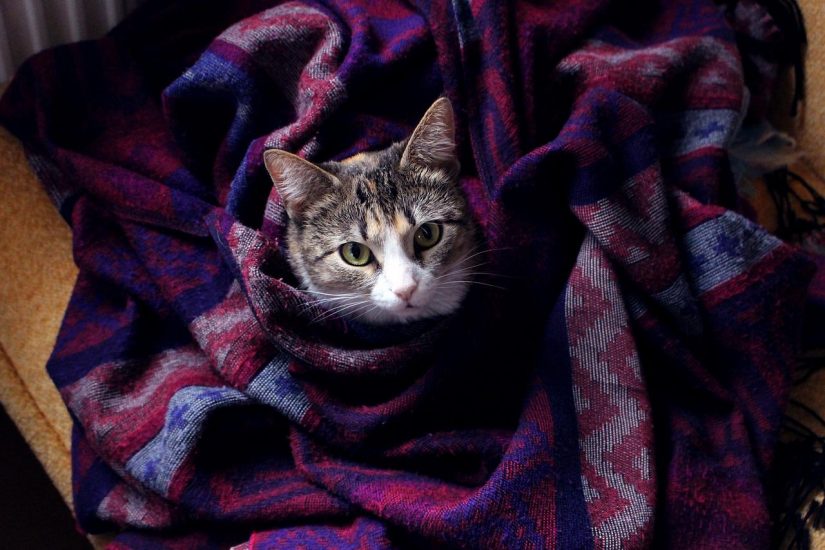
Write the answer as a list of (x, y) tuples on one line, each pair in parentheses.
[(384, 236)]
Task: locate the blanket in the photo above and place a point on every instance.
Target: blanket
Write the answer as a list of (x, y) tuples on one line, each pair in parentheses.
[(619, 380)]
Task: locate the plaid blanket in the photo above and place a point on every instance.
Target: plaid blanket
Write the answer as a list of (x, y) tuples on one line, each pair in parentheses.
[(625, 386)]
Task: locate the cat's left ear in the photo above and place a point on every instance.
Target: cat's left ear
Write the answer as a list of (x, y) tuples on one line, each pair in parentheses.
[(432, 143), (298, 181)]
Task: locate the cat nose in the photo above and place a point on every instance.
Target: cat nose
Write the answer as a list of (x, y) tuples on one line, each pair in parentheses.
[(405, 292)]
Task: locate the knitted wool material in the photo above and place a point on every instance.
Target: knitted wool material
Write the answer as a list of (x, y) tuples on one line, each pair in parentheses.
[(624, 388)]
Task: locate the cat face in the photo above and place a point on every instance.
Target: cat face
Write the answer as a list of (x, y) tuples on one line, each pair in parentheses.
[(384, 236)]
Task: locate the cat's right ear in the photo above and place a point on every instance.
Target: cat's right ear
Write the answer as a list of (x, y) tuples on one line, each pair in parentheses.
[(432, 143), (298, 181)]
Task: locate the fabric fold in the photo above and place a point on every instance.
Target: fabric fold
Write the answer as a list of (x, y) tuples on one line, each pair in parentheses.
[(618, 382)]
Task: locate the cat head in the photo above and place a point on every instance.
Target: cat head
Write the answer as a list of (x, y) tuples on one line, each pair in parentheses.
[(384, 236)]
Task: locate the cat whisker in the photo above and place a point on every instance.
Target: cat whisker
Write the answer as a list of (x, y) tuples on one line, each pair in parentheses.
[(337, 310), (470, 273), (337, 307), (326, 300), (460, 270), (475, 252), (465, 271), (470, 256), (368, 310), (457, 268), (323, 302), (490, 274), (329, 314), (472, 283), (339, 294), (363, 309)]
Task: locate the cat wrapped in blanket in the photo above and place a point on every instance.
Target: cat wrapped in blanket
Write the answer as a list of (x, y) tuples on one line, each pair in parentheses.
[(383, 236)]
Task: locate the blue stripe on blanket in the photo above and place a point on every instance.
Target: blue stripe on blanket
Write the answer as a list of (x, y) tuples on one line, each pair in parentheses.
[(725, 247), (275, 386), (157, 463)]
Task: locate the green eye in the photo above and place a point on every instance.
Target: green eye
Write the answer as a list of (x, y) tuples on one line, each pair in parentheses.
[(428, 235), (355, 254)]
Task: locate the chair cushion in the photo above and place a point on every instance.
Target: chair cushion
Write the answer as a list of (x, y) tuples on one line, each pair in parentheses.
[(37, 278)]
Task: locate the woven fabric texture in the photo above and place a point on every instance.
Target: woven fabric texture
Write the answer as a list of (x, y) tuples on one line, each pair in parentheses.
[(627, 386)]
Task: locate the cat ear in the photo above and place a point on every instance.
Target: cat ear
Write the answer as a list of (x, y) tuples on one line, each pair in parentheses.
[(432, 143), (298, 181)]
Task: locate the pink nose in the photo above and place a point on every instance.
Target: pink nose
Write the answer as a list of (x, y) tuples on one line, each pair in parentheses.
[(405, 292)]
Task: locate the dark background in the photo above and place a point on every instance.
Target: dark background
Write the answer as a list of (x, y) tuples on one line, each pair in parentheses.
[(32, 513)]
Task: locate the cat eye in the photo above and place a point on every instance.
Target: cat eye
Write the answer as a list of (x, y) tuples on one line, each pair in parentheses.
[(355, 254), (427, 236)]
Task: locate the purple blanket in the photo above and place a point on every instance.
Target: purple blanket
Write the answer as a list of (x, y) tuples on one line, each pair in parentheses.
[(625, 386)]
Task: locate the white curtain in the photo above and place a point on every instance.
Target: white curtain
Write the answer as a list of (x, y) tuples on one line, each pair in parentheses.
[(28, 26)]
